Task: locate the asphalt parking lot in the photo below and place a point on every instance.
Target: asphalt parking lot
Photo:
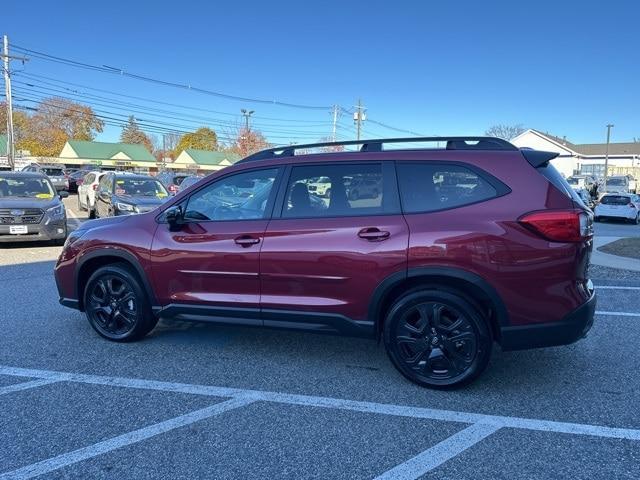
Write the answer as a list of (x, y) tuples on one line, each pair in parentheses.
[(200, 401)]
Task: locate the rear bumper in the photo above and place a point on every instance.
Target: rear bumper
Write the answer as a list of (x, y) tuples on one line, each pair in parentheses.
[(570, 329), (35, 232)]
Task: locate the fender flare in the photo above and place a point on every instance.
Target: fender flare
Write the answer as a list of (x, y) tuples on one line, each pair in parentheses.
[(385, 287), (125, 255)]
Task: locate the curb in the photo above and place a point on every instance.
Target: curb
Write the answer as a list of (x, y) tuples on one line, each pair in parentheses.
[(612, 261)]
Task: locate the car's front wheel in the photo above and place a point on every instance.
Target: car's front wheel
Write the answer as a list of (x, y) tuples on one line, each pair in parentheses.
[(116, 305), (437, 339)]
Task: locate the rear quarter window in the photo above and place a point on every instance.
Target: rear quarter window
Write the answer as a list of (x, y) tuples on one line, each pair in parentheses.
[(429, 187)]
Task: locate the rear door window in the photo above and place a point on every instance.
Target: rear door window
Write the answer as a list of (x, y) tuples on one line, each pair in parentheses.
[(337, 190), (429, 187)]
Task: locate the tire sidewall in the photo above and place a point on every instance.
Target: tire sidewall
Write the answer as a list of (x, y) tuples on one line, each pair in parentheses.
[(145, 320), (455, 301)]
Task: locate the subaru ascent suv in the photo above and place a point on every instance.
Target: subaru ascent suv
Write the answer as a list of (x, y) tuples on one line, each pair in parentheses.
[(456, 249)]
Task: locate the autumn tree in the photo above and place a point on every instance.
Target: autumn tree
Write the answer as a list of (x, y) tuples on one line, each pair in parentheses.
[(131, 133), (202, 139), (20, 123), (506, 132), (55, 121), (248, 142)]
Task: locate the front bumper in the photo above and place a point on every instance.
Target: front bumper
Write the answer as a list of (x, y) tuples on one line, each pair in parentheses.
[(38, 232), (570, 329)]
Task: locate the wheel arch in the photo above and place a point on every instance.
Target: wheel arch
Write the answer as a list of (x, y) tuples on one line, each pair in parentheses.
[(468, 283), (95, 259)]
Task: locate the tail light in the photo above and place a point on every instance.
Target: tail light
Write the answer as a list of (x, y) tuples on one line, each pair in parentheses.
[(560, 225), (79, 182), (95, 187)]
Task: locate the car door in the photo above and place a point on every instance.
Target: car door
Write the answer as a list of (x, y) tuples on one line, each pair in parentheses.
[(210, 266), (323, 257)]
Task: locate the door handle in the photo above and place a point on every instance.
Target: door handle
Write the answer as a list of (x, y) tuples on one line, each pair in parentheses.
[(373, 234), (247, 240)]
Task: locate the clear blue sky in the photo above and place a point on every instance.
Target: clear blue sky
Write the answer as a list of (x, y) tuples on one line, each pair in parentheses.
[(431, 67)]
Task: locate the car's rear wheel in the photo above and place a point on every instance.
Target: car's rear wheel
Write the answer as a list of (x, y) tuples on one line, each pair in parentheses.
[(116, 305), (437, 339)]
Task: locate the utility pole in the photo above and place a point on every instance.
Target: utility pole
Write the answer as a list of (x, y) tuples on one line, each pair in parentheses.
[(358, 117), (7, 89), (606, 157), (246, 114), (335, 123)]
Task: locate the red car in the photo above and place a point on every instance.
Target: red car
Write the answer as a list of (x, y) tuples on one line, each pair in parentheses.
[(460, 247)]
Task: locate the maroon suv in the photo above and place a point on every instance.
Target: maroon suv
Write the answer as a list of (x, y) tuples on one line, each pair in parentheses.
[(447, 251)]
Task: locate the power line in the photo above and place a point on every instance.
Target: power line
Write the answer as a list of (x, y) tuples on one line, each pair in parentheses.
[(134, 108), (47, 81), (184, 86)]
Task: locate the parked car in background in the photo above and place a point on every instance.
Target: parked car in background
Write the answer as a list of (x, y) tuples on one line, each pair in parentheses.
[(75, 180), (320, 186), (620, 206), (586, 182), (87, 192), (121, 193), (56, 174), (172, 180), (463, 246), (586, 197), (618, 184), (31, 209)]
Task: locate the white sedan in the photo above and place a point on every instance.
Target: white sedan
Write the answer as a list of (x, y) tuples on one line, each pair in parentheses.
[(87, 192), (624, 206)]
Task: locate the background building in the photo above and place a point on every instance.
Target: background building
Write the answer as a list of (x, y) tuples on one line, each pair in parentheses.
[(192, 159), (588, 158)]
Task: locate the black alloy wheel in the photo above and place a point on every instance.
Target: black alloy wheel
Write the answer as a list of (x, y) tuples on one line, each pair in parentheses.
[(116, 306), (437, 339)]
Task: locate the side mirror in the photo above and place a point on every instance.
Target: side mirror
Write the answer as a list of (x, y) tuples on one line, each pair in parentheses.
[(63, 194), (174, 216)]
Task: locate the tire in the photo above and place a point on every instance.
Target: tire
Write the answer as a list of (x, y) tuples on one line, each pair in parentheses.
[(353, 195), (116, 305), (328, 193), (418, 334), (92, 210)]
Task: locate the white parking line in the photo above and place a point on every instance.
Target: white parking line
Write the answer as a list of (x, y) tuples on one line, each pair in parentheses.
[(614, 287), (55, 463), (619, 314), (17, 387), (340, 404), (438, 454)]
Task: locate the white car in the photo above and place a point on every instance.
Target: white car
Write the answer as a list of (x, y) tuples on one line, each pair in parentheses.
[(87, 192), (625, 206)]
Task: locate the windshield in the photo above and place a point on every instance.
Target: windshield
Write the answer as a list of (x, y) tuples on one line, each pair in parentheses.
[(617, 181), (615, 200), (140, 187), (31, 187), (53, 172)]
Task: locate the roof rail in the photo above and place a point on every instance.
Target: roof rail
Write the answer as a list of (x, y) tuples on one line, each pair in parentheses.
[(376, 145)]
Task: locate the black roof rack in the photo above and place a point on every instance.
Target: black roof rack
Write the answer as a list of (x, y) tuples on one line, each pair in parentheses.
[(375, 145)]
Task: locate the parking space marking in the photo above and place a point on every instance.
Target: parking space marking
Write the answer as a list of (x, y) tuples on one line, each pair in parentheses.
[(340, 404), (614, 287), (17, 387), (620, 314), (60, 461), (440, 453), (73, 218)]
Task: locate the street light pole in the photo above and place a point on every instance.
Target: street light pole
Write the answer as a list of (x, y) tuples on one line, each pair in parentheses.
[(246, 114), (606, 157)]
